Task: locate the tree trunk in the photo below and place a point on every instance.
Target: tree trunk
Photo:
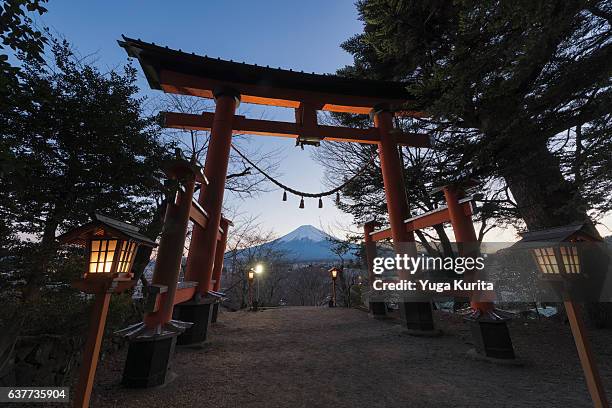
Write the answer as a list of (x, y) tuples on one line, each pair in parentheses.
[(447, 248), (46, 251), (544, 198)]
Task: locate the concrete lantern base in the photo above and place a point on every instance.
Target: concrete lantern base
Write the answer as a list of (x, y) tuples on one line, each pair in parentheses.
[(378, 310), (492, 338), (417, 317), (148, 361), (200, 315)]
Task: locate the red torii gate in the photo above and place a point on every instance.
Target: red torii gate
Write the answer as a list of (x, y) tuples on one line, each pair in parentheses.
[(490, 332), (229, 83)]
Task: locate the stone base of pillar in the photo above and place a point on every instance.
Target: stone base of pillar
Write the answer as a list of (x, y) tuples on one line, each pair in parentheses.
[(215, 313), (197, 313), (492, 338), (148, 361), (378, 310), (417, 317)]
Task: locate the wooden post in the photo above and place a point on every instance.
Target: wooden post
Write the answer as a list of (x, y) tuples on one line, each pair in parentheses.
[(397, 207), (370, 249), (171, 248), (417, 316), (91, 352), (465, 235), (251, 293), (591, 373), (491, 336), (219, 254), (204, 241), (334, 292), (376, 308)]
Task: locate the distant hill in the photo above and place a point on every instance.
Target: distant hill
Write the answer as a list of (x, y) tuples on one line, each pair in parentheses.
[(306, 244)]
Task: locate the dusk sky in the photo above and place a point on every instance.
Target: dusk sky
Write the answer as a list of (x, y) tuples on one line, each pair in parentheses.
[(273, 33), (297, 35)]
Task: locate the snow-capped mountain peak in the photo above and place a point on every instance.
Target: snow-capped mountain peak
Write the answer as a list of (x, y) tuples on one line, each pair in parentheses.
[(305, 232), (304, 244)]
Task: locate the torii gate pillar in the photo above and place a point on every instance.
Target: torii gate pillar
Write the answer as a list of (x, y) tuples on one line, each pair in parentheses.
[(417, 316), (489, 329), (377, 309), (218, 266), (152, 343), (202, 248), (204, 241)]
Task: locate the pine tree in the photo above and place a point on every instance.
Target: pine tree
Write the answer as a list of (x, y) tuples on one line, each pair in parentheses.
[(75, 142), (518, 90)]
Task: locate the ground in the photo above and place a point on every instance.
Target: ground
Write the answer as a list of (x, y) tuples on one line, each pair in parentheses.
[(321, 357)]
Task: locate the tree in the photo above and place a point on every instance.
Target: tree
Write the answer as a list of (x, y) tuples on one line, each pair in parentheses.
[(308, 285), (502, 83), (78, 143), (518, 92), (249, 244), (18, 33)]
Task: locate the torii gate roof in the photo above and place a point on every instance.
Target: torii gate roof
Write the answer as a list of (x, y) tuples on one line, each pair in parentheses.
[(183, 73)]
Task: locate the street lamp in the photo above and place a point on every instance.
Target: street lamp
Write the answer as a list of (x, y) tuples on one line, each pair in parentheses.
[(251, 278), (111, 247), (258, 270), (334, 275)]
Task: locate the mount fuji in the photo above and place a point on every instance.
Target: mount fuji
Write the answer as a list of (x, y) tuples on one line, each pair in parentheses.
[(306, 243)]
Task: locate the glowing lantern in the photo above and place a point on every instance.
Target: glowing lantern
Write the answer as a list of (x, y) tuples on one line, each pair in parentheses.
[(111, 246), (557, 251), (563, 254), (557, 261)]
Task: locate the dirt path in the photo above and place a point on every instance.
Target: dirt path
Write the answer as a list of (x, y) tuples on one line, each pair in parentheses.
[(321, 357)]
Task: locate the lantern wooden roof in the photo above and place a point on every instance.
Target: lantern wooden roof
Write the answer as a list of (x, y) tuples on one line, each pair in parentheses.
[(557, 234), (102, 224), (190, 74)]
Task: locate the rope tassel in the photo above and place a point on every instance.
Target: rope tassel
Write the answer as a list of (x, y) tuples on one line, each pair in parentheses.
[(284, 196), (320, 202), (302, 203)]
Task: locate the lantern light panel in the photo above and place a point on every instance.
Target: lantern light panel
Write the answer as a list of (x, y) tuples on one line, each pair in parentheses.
[(103, 252), (546, 260), (102, 255), (565, 261), (126, 256), (571, 260)]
